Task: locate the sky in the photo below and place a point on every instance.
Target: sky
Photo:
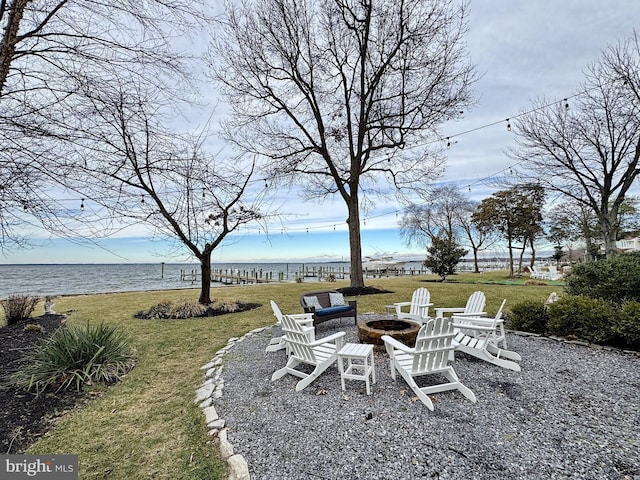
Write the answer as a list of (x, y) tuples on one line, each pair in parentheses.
[(523, 50)]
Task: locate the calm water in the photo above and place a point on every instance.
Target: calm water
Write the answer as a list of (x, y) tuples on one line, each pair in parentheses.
[(41, 280)]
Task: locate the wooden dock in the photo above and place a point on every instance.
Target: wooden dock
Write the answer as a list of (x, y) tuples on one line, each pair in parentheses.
[(319, 273), (233, 277)]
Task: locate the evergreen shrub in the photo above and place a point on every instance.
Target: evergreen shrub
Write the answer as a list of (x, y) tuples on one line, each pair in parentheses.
[(615, 279), (627, 325), (529, 316), (590, 319)]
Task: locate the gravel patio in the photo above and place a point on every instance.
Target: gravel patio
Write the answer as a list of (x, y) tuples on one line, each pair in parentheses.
[(571, 413)]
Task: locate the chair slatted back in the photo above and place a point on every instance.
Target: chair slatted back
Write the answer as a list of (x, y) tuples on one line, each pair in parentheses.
[(298, 338), (476, 302), (420, 296), (433, 344)]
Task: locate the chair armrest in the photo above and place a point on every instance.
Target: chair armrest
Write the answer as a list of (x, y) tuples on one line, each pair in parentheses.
[(480, 321), (490, 327), (396, 344), (441, 310), (401, 304), (331, 338), (305, 319), (471, 314)]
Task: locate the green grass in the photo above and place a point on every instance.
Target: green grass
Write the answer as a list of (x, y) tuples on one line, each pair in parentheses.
[(148, 426)]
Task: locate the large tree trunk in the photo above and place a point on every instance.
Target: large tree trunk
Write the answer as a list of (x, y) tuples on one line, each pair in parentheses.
[(205, 285), (510, 245), (10, 38), (355, 243), (609, 229), (475, 259)]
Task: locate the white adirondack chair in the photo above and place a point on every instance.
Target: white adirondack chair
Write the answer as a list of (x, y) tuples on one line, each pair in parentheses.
[(474, 307), (554, 274), (430, 356), (484, 343), (304, 348), (278, 343), (539, 274), (418, 306)]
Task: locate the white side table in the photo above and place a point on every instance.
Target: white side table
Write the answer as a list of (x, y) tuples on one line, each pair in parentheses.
[(363, 370)]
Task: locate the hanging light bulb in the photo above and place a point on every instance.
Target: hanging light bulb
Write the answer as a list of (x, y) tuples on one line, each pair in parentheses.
[(266, 185), (82, 204), (25, 206), (508, 125), (142, 198), (566, 104), (469, 187), (203, 193), (448, 143)]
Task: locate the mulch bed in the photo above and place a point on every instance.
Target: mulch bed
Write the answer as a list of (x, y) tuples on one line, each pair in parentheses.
[(24, 417)]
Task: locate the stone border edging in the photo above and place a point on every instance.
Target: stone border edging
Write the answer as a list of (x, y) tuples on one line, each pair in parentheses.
[(211, 389)]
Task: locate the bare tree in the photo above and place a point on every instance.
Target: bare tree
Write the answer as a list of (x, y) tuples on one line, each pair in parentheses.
[(132, 170), (589, 150), (49, 50), (446, 213), (347, 93), (437, 217), (475, 238)]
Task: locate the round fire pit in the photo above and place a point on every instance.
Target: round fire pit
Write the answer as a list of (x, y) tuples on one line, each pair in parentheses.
[(402, 330)]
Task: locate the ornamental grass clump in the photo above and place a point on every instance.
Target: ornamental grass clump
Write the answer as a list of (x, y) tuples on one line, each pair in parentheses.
[(74, 357), (182, 309)]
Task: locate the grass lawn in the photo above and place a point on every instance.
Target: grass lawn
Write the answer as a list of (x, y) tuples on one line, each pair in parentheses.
[(148, 425)]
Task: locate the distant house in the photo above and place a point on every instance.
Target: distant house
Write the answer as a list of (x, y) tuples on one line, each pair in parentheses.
[(629, 244)]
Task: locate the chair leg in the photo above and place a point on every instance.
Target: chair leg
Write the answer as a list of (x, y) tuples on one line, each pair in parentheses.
[(305, 382), (291, 364)]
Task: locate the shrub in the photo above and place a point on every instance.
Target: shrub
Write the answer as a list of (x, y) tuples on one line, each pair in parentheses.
[(615, 279), (529, 316), (587, 318), (627, 325), (76, 356), (18, 307)]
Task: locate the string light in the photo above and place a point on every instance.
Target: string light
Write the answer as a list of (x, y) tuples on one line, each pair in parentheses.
[(508, 125), (142, 198), (203, 193), (566, 104), (448, 143), (82, 204)]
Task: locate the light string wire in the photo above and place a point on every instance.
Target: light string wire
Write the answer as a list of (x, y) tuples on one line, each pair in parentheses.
[(446, 139)]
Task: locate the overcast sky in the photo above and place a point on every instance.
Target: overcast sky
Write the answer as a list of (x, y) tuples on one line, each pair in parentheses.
[(523, 50)]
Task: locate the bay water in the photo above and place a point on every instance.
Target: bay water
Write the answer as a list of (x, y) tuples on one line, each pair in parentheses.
[(71, 279)]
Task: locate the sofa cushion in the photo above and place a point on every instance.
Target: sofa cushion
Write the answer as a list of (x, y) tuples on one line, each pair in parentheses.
[(312, 301), (332, 310), (336, 299)]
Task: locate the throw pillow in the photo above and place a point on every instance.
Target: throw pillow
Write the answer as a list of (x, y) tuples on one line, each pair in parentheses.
[(336, 299), (312, 301)]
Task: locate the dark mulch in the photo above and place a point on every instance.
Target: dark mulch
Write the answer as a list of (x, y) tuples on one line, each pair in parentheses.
[(355, 291), (24, 417)]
